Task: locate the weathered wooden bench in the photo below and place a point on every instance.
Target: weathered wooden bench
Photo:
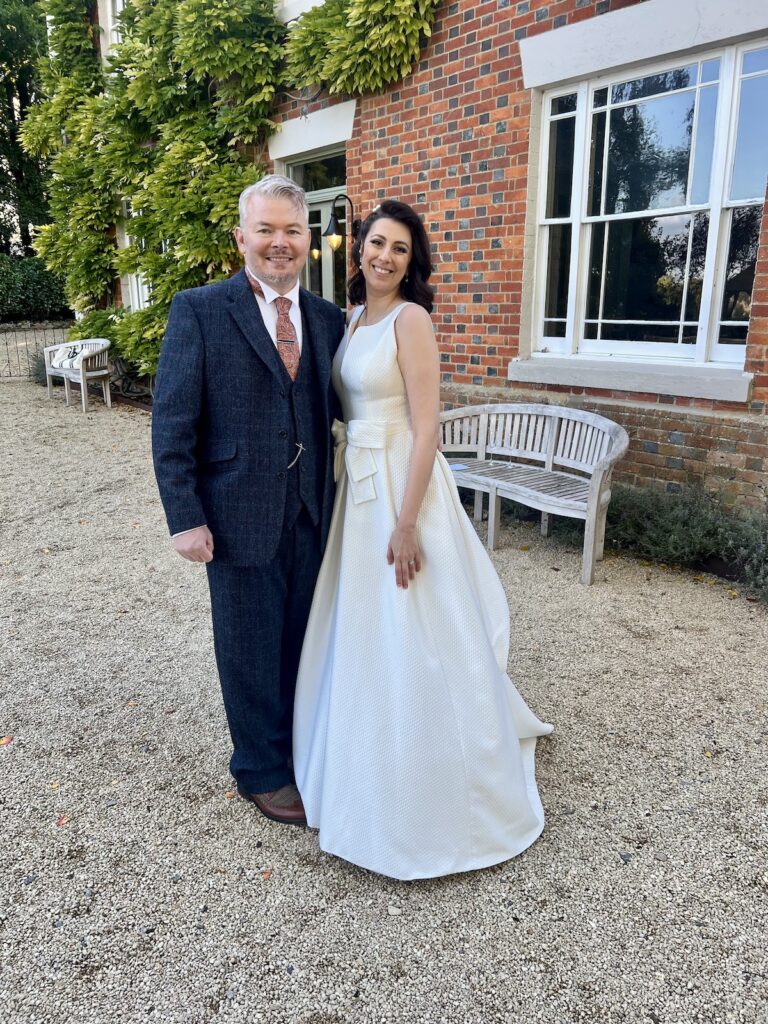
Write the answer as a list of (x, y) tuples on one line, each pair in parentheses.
[(547, 457), (79, 362)]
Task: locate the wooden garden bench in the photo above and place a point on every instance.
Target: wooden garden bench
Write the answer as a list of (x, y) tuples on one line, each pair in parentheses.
[(548, 457), (81, 362)]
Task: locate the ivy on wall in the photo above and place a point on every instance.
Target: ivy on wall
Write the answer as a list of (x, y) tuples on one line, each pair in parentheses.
[(358, 46), (149, 152)]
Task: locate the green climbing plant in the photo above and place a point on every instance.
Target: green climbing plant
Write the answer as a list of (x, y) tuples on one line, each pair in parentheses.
[(358, 46), (149, 150)]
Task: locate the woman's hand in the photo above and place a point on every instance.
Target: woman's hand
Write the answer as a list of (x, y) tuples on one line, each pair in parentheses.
[(403, 552)]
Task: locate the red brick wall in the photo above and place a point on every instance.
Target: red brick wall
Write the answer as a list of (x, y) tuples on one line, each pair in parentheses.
[(453, 140)]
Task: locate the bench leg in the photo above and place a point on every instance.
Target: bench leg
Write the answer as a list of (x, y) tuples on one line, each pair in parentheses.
[(494, 511), (106, 392), (546, 524), (478, 506), (600, 538), (67, 391), (49, 385), (590, 550), (84, 393)]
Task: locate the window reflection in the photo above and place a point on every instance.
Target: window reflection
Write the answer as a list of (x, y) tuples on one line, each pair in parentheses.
[(558, 266), (649, 153), (742, 259), (561, 138), (750, 165), (755, 60), (649, 270), (652, 85), (705, 145)]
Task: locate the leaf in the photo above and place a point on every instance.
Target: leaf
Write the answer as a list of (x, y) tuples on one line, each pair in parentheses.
[(6, 741), (707, 753), (55, 784), (525, 547), (229, 794), (266, 874), (64, 819)]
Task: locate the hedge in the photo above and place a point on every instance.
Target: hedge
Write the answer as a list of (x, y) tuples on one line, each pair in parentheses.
[(30, 292)]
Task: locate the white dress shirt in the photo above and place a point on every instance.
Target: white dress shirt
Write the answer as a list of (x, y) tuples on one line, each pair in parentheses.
[(268, 308)]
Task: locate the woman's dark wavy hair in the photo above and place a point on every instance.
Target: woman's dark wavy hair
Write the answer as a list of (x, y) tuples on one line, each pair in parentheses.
[(414, 285)]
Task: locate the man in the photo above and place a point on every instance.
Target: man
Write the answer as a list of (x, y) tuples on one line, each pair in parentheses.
[(242, 452)]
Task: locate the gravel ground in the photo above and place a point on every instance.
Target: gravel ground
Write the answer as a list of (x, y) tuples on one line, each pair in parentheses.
[(140, 889)]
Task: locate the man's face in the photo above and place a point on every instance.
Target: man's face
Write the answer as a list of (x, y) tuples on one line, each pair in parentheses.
[(274, 241)]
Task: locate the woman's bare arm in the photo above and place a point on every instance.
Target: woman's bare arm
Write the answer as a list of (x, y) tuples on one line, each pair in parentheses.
[(419, 363)]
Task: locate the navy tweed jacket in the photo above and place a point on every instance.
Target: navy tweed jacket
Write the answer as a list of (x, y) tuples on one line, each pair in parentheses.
[(221, 417)]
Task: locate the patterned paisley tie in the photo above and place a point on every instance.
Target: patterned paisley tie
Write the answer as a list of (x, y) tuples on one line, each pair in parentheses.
[(287, 342)]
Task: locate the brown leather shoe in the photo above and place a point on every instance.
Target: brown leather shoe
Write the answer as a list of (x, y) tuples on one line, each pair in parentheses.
[(283, 805)]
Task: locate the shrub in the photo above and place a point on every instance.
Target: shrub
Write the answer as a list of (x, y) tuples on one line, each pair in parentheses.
[(692, 529), (30, 292)]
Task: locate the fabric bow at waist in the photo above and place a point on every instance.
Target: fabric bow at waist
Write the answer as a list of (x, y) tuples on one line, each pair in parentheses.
[(355, 442)]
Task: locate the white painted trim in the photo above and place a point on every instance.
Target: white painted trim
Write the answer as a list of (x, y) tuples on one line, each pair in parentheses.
[(318, 130), (288, 10), (725, 384), (643, 33)]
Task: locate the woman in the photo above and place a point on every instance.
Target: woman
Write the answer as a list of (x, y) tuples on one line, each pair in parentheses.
[(413, 751)]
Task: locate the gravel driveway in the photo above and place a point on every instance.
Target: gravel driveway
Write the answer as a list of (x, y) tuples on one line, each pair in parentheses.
[(138, 888)]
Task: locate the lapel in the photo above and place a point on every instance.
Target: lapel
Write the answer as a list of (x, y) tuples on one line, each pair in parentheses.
[(314, 337), (245, 311)]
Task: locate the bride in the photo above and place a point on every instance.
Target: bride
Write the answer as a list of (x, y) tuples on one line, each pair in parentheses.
[(413, 751)]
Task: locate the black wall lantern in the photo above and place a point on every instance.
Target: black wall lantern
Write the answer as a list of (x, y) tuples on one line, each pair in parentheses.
[(333, 232)]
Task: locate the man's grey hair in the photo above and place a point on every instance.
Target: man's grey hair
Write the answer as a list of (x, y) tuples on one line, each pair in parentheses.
[(274, 186)]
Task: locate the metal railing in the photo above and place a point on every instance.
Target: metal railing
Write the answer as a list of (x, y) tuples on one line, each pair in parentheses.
[(21, 343)]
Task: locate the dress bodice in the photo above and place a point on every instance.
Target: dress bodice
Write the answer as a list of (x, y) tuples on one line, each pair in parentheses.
[(366, 374)]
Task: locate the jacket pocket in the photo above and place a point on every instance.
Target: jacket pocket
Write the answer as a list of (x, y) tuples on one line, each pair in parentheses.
[(218, 456)]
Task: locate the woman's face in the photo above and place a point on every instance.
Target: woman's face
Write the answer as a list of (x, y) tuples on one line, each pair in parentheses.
[(386, 254)]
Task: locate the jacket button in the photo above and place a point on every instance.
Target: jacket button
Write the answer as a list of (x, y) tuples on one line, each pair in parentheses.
[(282, 433), (281, 475)]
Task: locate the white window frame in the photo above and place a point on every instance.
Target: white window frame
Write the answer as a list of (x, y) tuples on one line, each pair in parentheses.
[(707, 348), (320, 199), (138, 289)]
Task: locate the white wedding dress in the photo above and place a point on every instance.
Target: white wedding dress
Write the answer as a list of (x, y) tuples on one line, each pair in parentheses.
[(413, 751)]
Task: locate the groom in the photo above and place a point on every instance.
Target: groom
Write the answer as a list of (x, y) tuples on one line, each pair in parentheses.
[(242, 453)]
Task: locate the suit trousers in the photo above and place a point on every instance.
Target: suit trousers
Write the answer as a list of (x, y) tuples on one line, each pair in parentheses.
[(259, 618)]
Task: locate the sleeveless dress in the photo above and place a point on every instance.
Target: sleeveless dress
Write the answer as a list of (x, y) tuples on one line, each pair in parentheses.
[(413, 751)]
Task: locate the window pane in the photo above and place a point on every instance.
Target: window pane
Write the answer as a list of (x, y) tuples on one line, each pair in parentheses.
[(590, 331), (596, 154), (340, 277), (742, 257), (327, 172), (648, 154), (733, 335), (554, 328), (755, 60), (705, 145), (561, 136), (652, 85), (595, 271), (750, 165), (667, 333), (710, 70), (314, 264), (559, 262), (600, 98), (696, 267), (564, 104), (645, 268)]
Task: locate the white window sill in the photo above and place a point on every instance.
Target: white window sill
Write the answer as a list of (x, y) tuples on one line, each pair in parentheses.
[(718, 382)]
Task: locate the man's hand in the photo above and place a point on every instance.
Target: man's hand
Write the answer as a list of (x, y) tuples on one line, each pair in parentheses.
[(195, 545)]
